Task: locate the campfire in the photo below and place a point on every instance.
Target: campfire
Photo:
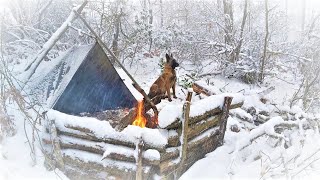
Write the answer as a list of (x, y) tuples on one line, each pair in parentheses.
[(144, 119), (140, 120)]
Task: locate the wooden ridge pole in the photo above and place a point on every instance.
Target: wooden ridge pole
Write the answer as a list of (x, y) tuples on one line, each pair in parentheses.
[(135, 84)]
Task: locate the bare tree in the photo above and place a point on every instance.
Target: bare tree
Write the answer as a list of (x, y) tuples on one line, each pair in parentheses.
[(244, 18), (228, 18), (264, 57), (303, 15), (115, 46)]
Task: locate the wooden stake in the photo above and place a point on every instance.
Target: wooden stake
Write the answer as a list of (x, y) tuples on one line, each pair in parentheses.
[(56, 147), (223, 119), (135, 84), (140, 147), (186, 112)]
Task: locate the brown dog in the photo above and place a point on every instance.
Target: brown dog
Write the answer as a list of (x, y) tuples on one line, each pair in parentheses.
[(166, 81)]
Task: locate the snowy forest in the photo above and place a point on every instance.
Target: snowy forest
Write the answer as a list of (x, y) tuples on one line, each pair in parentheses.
[(159, 89)]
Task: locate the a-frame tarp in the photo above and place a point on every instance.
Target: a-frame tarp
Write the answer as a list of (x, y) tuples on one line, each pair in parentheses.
[(93, 86)]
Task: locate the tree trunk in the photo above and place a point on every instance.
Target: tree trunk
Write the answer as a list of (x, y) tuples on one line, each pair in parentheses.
[(264, 57), (150, 28), (115, 48), (41, 12), (219, 4), (244, 18), (161, 14), (303, 16), (228, 17)]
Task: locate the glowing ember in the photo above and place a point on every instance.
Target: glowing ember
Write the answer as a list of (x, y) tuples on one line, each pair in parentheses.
[(140, 119)]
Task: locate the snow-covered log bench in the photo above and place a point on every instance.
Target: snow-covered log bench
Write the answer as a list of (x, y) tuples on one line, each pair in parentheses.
[(95, 149)]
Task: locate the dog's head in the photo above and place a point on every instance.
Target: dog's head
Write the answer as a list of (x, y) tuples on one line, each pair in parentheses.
[(171, 61)]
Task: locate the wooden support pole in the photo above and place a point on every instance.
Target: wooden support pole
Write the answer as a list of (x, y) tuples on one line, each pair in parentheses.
[(223, 119), (140, 147), (135, 84), (185, 125)]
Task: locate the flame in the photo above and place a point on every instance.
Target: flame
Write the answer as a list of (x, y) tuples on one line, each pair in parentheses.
[(140, 120)]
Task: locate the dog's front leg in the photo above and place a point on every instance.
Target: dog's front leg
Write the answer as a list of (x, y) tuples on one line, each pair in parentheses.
[(174, 90), (168, 93)]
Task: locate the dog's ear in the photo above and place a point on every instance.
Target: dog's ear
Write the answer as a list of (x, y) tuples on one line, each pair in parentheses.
[(167, 57)]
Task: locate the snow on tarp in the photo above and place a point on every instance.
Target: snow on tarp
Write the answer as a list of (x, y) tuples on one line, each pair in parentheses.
[(158, 138), (52, 77), (128, 82), (170, 113)]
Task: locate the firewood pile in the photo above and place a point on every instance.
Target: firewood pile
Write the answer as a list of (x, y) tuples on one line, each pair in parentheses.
[(88, 148)]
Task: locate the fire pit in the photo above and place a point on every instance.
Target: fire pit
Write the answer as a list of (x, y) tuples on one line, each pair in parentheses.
[(88, 148)]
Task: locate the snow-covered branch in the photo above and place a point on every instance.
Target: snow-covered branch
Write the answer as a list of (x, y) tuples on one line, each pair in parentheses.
[(30, 70)]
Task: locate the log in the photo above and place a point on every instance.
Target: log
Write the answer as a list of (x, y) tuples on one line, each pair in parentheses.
[(196, 149), (111, 169), (127, 120), (216, 111), (98, 149), (171, 153), (92, 137), (173, 140), (224, 118), (169, 166), (201, 90), (195, 130)]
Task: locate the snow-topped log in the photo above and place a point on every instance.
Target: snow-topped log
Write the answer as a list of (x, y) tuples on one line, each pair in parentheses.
[(197, 149), (195, 130), (101, 131), (96, 168), (115, 152), (169, 117)]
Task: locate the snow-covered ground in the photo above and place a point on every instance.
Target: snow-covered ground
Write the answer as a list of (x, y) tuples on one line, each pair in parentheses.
[(238, 158)]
